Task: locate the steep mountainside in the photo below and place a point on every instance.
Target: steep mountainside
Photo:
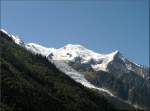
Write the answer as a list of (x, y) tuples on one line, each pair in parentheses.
[(31, 83)]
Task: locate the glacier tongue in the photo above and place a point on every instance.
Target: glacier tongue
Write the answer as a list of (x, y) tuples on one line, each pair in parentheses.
[(76, 76)]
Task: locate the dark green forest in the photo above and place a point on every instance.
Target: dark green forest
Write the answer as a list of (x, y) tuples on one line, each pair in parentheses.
[(31, 83)]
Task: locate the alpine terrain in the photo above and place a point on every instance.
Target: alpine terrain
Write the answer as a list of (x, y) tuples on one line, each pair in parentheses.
[(70, 78)]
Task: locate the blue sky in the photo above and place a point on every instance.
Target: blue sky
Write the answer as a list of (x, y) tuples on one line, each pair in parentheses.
[(100, 25)]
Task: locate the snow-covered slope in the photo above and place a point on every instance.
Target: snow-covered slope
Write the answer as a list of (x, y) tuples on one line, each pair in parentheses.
[(70, 52)]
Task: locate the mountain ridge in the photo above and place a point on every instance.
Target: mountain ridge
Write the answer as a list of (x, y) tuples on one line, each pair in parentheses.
[(18, 41)]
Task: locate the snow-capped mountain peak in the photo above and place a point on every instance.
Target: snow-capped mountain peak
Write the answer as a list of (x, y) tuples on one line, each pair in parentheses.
[(70, 53), (86, 57), (75, 52)]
